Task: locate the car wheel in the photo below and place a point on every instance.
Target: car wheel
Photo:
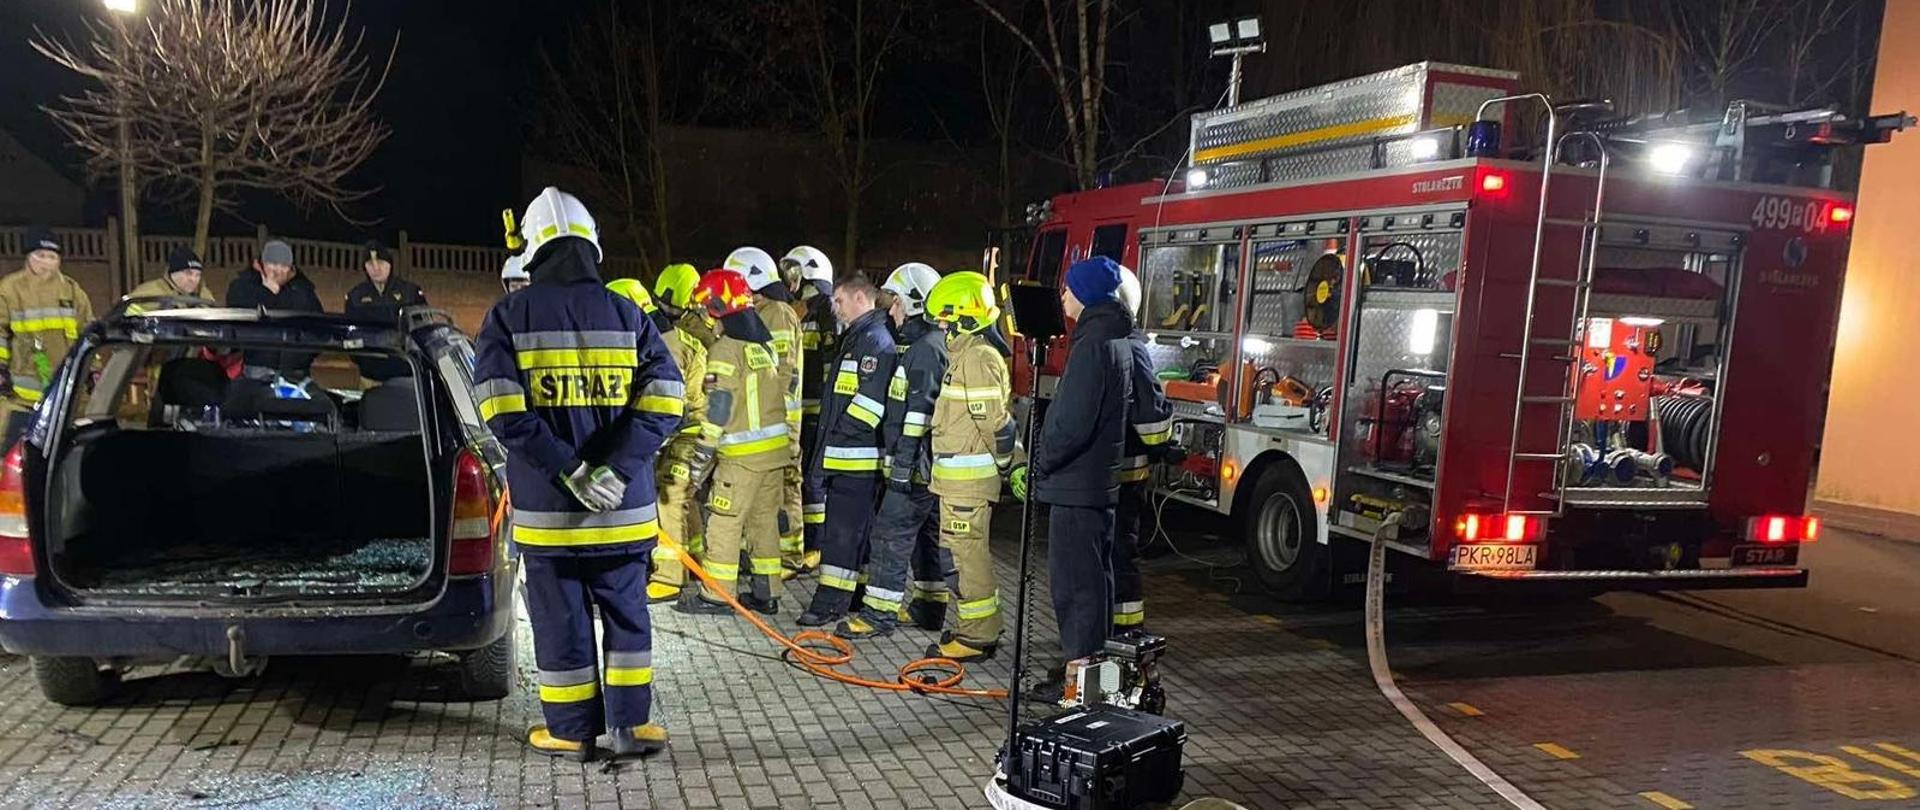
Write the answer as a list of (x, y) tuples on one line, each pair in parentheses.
[(487, 673), (74, 681), (1280, 531)]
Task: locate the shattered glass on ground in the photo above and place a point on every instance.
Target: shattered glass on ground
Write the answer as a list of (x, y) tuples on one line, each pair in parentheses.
[(380, 565)]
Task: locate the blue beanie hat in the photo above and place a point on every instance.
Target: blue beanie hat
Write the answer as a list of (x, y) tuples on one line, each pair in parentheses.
[(1094, 280)]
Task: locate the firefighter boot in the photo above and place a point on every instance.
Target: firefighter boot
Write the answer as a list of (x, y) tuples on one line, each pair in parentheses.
[(865, 624), (639, 741), (546, 744), (759, 597), (658, 592), (694, 603), (953, 648)]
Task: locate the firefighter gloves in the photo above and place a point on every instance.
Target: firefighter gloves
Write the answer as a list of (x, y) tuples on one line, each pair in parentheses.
[(597, 488)]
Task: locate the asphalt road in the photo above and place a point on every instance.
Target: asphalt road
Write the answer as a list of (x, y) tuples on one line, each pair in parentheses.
[(1736, 699)]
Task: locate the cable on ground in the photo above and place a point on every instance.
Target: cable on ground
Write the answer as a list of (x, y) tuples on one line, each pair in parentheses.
[(804, 649)]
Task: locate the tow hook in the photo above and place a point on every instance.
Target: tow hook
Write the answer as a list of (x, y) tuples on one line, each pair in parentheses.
[(238, 665)]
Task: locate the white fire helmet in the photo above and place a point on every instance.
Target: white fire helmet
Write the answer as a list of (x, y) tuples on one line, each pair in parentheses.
[(1130, 290), (813, 262), (912, 282), (755, 264), (515, 269), (554, 214)]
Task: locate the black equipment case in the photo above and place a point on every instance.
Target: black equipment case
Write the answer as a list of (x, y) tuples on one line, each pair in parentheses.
[(1098, 758)]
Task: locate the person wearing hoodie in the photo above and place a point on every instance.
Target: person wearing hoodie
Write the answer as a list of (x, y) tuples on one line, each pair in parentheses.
[(1151, 418), (578, 386), (382, 296), (273, 283)]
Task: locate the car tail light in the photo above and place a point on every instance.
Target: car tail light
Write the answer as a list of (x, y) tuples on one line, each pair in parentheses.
[(1477, 527), (1783, 529), (472, 547), (16, 546)]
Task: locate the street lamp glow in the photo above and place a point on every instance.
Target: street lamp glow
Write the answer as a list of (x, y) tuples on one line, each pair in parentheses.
[(122, 6), (1670, 158)]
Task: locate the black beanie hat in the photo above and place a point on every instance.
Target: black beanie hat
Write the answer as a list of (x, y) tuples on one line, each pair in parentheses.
[(377, 250), (40, 237), (182, 258)]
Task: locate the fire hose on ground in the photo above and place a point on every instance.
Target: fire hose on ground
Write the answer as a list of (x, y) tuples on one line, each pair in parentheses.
[(1383, 677), (803, 648)]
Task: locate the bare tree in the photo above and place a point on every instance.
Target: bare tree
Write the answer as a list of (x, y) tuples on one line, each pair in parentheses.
[(102, 120), (831, 54), (1804, 27), (1724, 38), (1076, 68), (607, 109), (226, 95)]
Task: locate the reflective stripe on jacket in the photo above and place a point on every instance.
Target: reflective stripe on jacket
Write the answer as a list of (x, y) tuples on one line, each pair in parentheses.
[(911, 395), (973, 432), (569, 373), (40, 318), (746, 410), (1149, 414), (853, 408)]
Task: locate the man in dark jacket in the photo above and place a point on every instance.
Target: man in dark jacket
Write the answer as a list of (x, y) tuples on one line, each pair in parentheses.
[(1076, 463), (273, 283), (381, 297), (852, 441)]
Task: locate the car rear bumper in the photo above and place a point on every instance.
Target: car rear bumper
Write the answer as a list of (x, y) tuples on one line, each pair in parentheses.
[(470, 613)]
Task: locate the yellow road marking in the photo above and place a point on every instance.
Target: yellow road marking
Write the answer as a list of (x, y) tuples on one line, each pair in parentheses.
[(1832, 773), (1556, 751), (1465, 709), (1885, 761), (1666, 801)]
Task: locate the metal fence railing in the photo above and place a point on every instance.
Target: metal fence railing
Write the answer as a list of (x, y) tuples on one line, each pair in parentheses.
[(97, 244)]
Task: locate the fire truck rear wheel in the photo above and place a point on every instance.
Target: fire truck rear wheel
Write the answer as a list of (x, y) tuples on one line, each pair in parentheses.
[(1281, 536)]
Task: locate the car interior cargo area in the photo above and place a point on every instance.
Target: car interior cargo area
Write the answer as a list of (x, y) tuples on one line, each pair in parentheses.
[(313, 484)]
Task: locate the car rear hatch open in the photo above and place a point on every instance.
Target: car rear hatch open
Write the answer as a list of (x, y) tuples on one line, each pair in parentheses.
[(185, 473)]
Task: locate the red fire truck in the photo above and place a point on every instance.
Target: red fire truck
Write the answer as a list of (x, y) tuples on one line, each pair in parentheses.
[(1595, 352)]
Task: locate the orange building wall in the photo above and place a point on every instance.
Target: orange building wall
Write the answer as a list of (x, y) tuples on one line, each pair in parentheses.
[(1872, 447)]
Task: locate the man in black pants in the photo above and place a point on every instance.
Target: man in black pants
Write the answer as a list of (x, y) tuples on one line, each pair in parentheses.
[(1076, 463)]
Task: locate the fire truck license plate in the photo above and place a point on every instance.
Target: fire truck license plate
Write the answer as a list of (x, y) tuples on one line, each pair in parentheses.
[(1495, 557), (1765, 555)]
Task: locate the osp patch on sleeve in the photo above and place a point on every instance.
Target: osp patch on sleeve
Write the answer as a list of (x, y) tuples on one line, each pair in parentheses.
[(978, 409)]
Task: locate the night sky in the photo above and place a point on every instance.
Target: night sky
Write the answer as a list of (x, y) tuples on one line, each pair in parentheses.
[(462, 78)]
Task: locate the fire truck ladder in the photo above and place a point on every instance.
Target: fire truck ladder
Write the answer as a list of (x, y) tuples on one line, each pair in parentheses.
[(1581, 285)]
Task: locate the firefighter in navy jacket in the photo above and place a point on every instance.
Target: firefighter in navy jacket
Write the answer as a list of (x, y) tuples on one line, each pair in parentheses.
[(852, 440), (906, 532), (578, 385), (1151, 419), (1076, 462), (819, 344)]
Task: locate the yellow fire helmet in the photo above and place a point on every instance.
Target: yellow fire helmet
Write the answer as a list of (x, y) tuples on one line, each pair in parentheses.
[(675, 285), (633, 290), (964, 299)]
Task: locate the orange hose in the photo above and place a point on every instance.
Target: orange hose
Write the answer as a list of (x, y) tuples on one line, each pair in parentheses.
[(824, 665)]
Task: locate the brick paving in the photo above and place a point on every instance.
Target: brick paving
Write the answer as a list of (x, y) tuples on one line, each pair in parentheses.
[(1280, 716)]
